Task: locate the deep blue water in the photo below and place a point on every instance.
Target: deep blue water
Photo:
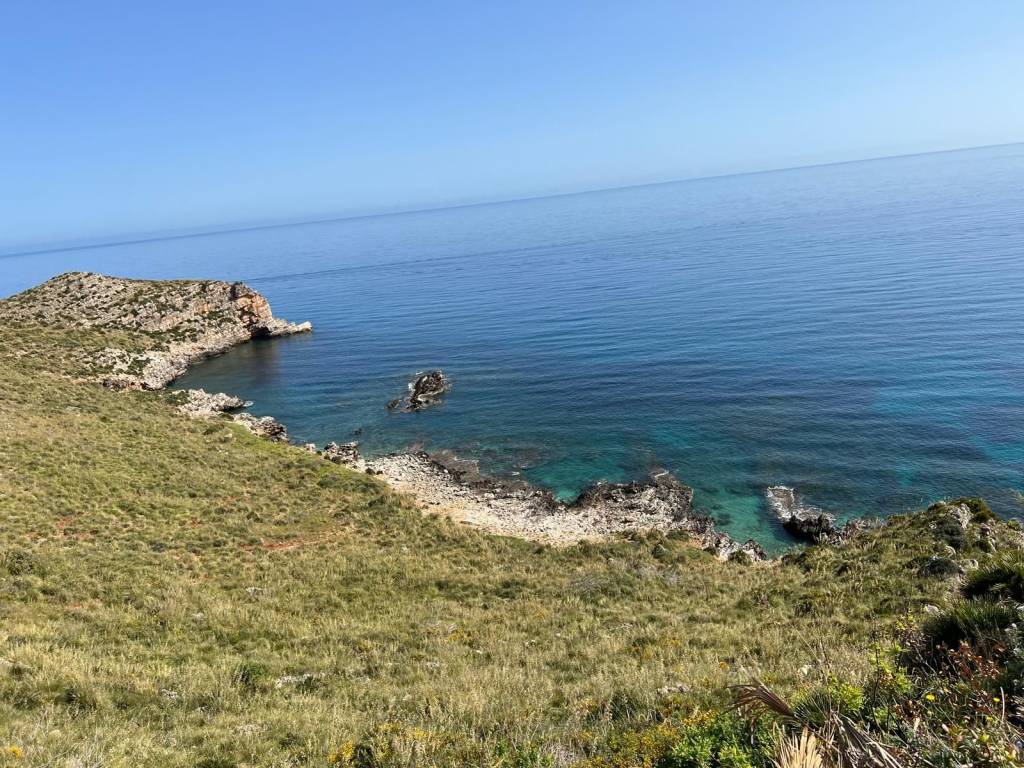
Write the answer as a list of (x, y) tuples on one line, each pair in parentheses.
[(855, 331)]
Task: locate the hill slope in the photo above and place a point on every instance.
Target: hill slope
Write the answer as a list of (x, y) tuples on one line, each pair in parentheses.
[(182, 593)]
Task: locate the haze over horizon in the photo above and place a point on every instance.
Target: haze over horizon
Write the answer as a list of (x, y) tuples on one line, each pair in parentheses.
[(223, 228), (125, 121)]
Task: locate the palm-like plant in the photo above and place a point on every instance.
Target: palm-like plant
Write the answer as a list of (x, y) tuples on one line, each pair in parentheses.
[(798, 751), (842, 742)]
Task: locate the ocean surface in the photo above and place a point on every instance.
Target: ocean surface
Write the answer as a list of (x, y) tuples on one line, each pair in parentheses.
[(855, 331)]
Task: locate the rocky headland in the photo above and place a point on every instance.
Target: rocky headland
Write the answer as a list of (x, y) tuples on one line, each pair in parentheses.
[(167, 324)]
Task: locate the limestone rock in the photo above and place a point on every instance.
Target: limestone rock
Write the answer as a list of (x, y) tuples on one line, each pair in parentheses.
[(178, 321), (263, 426), (346, 454), (801, 521), (202, 404), (425, 390), (456, 488)]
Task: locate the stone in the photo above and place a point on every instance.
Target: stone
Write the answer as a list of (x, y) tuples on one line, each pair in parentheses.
[(201, 404), (511, 507), (263, 426), (346, 454)]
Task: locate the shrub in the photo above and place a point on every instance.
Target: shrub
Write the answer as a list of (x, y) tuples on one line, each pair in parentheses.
[(724, 741), (19, 562), (248, 674), (741, 557), (836, 696), (1002, 578), (975, 621), (980, 512)]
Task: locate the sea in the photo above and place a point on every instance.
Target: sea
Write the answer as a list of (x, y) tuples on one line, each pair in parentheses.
[(854, 331)]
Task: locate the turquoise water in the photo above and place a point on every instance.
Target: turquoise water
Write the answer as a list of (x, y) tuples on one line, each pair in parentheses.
[(855, 331)]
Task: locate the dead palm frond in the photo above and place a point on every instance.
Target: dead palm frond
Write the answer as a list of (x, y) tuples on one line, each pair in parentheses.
[(798, 751), (758, 699), (856, 749)]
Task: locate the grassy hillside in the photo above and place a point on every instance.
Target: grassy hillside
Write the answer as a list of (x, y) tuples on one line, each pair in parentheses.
[(181, 593)]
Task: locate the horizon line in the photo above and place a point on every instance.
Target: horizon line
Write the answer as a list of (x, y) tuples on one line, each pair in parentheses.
[(233, 229)]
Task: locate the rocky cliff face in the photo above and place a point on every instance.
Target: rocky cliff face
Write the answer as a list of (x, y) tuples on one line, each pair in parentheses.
[(177, 321)]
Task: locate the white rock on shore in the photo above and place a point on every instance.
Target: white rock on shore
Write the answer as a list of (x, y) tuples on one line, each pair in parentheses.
[(660, 503), (202, 404)]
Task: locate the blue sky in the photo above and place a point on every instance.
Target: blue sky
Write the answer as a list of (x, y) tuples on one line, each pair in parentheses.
[(125, 118)]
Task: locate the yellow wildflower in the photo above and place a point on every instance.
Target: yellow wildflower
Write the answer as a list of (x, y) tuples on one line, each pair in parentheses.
[(343, 755)]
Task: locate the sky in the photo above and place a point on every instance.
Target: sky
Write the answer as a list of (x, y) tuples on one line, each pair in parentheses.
[(120, 119)]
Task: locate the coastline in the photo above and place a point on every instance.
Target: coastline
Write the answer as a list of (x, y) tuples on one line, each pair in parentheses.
[(445, 485), (138, 526), (163, 327)]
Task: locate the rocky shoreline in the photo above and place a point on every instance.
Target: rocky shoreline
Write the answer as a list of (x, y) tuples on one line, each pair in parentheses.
[(455, 488), (173, 324)]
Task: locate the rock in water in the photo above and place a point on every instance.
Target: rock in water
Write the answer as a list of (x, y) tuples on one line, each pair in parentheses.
[(425, 390), (801, 521)]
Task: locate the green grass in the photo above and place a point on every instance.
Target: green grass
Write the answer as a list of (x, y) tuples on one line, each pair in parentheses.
[(180, 593)]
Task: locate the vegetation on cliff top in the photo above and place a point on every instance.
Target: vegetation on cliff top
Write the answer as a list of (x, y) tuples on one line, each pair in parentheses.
[(181, 593)]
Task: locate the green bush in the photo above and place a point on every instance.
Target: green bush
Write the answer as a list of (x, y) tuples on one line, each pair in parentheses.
[(980, 512), (836, 696), (975, 621), (722, 742), (1002, 578), (249, 674)]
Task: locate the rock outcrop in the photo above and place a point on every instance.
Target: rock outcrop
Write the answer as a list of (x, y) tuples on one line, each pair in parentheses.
[(801, 521), (263, 426), (346, 454), (425, 390), (172, 323), (201, 404), (809, 523)]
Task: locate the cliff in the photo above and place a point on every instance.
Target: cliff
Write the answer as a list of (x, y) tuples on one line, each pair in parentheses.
[(172, 323)]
